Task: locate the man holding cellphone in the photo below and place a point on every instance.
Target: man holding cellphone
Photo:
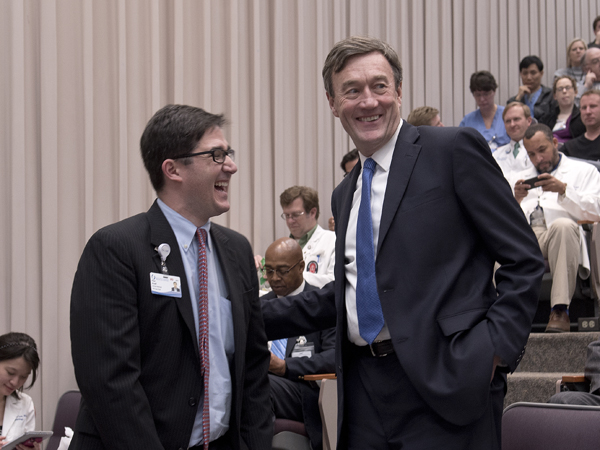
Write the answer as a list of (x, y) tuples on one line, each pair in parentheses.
[(554, 194)]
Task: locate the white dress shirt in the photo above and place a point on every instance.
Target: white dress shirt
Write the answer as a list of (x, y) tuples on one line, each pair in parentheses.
[(383, 158)]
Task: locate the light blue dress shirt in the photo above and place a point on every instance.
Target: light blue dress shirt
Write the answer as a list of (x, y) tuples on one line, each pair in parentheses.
[(496, 135), (220, 323)]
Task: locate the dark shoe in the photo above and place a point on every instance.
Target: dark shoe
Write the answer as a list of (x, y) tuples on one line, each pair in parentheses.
[(559, 322)]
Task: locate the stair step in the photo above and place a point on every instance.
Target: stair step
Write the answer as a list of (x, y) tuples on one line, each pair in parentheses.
[(557, 352), (532, 386)]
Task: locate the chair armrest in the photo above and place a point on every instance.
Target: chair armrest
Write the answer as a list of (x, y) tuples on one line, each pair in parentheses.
[(319, 376), (575, 383)]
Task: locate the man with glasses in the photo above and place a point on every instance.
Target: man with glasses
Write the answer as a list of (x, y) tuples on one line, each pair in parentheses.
[(292, 358), (591, 68), (512, 157), (300, 206), (172, 368)]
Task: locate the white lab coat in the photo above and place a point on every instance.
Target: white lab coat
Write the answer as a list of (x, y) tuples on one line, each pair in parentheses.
[(319, 257), (580, 202), (19, 416), (508, 163)]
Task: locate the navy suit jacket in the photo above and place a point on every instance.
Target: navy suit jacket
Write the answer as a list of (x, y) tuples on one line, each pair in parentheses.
[(323, 359), (448, 214), (135, 353)]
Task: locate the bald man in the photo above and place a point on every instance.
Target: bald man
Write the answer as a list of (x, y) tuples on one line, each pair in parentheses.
[(591, 68), (292, 358)]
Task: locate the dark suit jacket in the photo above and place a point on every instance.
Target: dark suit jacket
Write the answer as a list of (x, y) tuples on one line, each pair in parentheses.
[(448, 214), (543, 105), (323, 359), (136, 354)]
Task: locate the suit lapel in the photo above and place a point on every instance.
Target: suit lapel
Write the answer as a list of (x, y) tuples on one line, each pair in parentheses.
[(405, 156), (161, 232), (346, 196)]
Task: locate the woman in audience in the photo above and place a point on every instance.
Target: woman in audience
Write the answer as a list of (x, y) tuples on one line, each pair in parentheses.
[(575, 52), (488, 118), (564, 119), (18, 359)]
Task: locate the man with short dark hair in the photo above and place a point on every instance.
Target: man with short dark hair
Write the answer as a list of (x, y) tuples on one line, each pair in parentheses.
[(158, 366), (300, 206), (532, 92), (292, 358), (424, 338), (563, 192), (596, 28), (425, 115), (349, 161), (587, 146), (512, 157)]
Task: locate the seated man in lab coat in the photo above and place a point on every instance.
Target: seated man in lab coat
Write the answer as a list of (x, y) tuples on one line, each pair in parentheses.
[(564, 192)]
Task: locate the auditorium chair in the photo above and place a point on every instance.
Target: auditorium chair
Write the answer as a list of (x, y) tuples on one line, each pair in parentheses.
[(65, 416), (543, 426)]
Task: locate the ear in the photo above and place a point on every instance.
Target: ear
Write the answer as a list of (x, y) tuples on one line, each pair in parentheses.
[(313, 212), (171, 170), (529, 120), (301, 265), (331, 101)]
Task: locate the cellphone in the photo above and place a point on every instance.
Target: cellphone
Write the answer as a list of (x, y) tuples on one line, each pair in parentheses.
[(531, 182), (31, 441)]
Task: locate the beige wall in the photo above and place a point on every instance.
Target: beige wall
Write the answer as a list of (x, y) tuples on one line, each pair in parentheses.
[(80, 78)]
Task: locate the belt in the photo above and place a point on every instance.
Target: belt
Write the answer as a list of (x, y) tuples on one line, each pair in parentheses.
[(377, 349)]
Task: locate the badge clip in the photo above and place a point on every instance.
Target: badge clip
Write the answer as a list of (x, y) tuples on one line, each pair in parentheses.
[(163, 250)]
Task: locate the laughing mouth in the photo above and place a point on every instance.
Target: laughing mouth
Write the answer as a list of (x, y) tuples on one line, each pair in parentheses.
[(221, 186), (369, 119)]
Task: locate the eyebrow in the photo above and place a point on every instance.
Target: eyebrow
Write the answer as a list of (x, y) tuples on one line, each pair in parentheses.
[(353, 82)]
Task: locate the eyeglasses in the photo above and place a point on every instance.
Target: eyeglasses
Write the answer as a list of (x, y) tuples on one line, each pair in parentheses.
[(563, 89), (268, 272), (218, 154), (483, 94), (293, 215)]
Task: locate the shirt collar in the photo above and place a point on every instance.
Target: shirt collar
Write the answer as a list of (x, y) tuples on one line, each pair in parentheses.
[(185, 231), (304, 239), (297, 290), (383, 156)]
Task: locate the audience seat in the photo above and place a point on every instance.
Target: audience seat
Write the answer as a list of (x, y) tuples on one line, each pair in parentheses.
[(65, 416), (543, 426), (289, 435)]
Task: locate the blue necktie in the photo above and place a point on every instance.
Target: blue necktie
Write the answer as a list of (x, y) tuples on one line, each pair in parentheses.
[(368, 306), (278, 347)]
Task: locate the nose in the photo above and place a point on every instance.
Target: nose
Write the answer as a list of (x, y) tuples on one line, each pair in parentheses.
[(229, 166), (368, 100)]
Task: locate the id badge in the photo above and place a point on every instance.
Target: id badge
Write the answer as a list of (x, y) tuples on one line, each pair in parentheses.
[(167, 285), (303, 350)]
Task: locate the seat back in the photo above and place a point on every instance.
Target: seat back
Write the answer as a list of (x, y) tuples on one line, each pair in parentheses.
[(65, 416), (289, 435), (328, 406), (537, 426)]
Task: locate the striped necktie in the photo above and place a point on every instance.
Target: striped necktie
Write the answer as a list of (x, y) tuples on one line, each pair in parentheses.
[(203, 331)]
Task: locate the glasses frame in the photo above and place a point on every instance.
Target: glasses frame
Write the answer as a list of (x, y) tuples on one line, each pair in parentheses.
[(564, 88), (229, 152), (281, 273), (293, 216)]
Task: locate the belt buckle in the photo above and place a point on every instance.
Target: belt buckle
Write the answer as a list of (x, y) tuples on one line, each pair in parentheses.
[(373, 352)]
